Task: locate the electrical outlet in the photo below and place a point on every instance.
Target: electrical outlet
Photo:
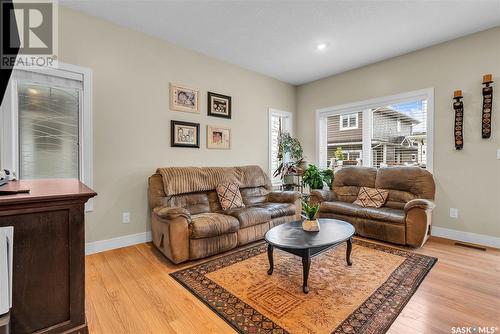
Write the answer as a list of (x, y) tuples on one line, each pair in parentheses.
[(453, 213), (498, 154), (126, 217)]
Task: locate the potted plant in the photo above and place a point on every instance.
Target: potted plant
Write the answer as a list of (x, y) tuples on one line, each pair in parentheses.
[(309, 212), (328, 176), (340, 156), (289, 156)]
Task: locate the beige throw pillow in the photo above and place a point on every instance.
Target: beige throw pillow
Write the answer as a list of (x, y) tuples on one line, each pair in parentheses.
[(229, 196), (371, 197)]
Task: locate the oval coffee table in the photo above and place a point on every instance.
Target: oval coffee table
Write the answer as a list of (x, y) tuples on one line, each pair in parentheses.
[(291, 238)]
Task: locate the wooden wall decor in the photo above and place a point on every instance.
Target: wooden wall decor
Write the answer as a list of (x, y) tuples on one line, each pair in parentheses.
[(458, 105), (487, 106)]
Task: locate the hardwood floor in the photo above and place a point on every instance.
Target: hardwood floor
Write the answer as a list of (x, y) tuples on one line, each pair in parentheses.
[(129, 290)]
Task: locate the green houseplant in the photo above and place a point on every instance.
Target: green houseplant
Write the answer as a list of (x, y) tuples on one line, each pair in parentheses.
[(309, 212), (289, 157), (315, 178), (312, 177), (327, 175)]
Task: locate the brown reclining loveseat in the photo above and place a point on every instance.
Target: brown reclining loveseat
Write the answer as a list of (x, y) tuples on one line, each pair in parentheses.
[(405, 219)]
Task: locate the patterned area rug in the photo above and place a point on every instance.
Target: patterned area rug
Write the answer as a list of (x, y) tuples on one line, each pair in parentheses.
[(363, 298)]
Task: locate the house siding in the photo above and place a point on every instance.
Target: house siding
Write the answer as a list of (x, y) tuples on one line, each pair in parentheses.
[(335, 135)]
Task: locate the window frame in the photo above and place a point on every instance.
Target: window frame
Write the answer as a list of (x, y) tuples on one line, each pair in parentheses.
[(288, 127), (9, 139), (366, 106), (348, 117)]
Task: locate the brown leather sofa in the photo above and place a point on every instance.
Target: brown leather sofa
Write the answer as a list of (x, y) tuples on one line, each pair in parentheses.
[(188, 222), (405, 219)]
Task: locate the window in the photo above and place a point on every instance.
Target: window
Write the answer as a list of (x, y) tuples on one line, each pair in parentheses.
[(279, 122), (390, 131), (349, 122), (406, 146), (46, 124)]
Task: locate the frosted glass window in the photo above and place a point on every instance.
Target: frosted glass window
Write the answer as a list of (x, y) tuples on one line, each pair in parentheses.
[(48, 131)]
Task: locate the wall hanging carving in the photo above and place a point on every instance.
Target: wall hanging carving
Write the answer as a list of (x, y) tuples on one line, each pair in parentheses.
[(459, 119), (487, 106)]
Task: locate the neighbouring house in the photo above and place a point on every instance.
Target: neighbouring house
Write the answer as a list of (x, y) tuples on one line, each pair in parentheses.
[(396, 138)]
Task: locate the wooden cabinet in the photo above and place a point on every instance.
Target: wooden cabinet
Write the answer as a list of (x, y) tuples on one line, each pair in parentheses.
[(48, 294)]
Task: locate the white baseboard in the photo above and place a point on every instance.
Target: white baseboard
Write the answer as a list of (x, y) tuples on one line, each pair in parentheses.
[(139, 238), (478, 239), (127, 240)]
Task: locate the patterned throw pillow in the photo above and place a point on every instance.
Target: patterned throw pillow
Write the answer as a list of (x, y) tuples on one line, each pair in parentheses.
[(229, 196), (371, 197)]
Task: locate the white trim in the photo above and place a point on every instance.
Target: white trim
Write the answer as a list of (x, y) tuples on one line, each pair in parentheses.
[(288, 127), (119, 242), (473, 238), (367, 132), (423, 94)]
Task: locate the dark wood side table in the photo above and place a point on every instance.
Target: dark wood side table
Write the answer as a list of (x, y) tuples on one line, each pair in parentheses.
[(48, 294), (291, 238)]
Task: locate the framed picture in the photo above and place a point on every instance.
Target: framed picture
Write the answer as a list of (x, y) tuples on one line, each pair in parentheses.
[(184, 134), (218, 137), (219, 105), (183, 98)]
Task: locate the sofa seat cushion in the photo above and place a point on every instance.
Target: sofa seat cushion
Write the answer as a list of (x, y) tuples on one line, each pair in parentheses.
[(278, 209), (250, 216), (207, 225), (385, 214), (349, 209)]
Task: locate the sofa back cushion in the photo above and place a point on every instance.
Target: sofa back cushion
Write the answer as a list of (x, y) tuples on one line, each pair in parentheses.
[(349, 180), (405, 184), (254, 195), (195, 203), (193, 188), (183, 180)]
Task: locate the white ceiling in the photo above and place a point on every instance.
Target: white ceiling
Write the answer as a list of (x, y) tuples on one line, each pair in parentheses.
[(279, 38)]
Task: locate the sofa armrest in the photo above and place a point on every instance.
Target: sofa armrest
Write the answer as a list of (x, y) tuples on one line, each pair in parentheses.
[(320, 195), (170, 213), (418, 219), (284, 196), (170, 229), (420, 203)]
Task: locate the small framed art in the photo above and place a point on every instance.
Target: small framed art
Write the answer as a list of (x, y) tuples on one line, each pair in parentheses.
[(184, 134), (218, 137), (184, 99), (219, 105)]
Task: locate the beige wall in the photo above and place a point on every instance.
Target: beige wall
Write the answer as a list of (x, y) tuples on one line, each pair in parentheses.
[(131, 117), (469, 179)]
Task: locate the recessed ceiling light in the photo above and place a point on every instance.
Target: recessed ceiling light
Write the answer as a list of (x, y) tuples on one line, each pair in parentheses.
[(321, 46)]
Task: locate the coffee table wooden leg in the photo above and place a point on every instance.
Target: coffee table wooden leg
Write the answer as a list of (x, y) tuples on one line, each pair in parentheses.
[(270, 257), (306, 264), (348, 252)]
